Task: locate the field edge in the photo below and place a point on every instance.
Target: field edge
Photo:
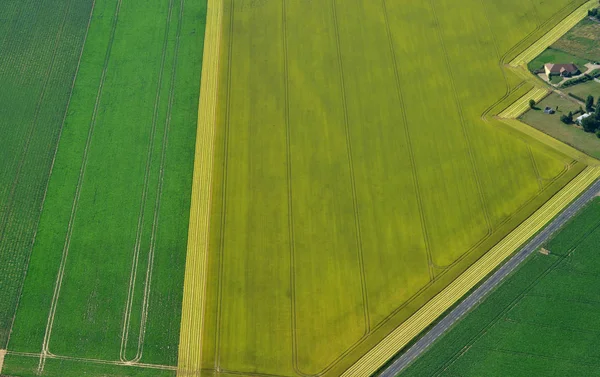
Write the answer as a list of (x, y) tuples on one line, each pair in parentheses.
[(192, 318)]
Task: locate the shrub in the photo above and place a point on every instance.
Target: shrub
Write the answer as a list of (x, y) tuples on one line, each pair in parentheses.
[(577, 80), (595, 73), (576, 97), (590, 124)]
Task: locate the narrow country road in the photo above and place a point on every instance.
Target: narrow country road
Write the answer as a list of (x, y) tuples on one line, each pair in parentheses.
[(476, 296)]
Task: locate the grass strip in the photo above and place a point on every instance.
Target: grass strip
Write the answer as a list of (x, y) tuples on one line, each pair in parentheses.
[(190, 345)]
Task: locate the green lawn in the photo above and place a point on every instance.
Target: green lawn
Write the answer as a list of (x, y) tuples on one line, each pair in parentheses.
[(583, 40), (541, 321), (556, 79), (354, 176), (551, 124), (585, 89), (556, 56), (113, 231), (40, 44)]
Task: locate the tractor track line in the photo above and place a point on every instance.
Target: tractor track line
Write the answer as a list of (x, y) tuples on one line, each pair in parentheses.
[(471, 154), (141, 216), (61, 272), (413, 162), (148, 281)]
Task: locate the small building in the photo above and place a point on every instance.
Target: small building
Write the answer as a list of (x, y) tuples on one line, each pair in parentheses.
[(549, 110), (582, 117), (564, 70)]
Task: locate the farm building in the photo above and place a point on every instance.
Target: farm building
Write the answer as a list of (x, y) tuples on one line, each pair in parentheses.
[(565, 70), (582, 117)]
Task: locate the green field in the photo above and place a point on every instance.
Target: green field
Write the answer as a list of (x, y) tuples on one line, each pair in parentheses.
[(542, 321), (556, 56), (582, 40), (354, 176), (104, 284), (39, 50), (550, 123)]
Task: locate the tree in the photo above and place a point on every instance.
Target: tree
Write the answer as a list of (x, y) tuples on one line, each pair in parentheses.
[(565, 119), (598, 133), (597, 112), (589, 103), (590, 124), (532, 103)]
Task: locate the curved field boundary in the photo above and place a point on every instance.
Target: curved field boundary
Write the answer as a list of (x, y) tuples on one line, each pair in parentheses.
[(553, 35), (192, 316), (400, 337)]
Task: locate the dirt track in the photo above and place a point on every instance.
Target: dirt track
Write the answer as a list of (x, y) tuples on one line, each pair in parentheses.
[(2, 353)]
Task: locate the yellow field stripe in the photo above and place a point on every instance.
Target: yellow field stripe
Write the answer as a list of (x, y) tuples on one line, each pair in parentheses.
[(522, 104), (192, 316), (553, 35), (403, 334)]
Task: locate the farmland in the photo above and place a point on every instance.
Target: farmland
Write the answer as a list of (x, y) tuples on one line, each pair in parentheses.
[(582, 40), (40, 51), (541, 321), (355, 176), (103, 289)]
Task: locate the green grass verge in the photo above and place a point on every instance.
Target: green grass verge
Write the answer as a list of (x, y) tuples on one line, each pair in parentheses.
[(529, 320), (40, 45), (124, 164)]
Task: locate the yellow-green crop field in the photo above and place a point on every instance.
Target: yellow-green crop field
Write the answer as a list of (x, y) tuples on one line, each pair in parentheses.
[(356, 172)]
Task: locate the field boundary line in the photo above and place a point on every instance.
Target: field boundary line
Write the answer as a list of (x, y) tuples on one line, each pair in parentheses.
[(553, 35), (288, 135), (223, 224), (403, 334), (61, 271), (52, 164), (94, 361), (194, 292), (413, 162), (4, 220)]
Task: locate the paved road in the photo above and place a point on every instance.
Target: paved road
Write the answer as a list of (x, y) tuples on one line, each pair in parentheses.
[(476, 296)]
